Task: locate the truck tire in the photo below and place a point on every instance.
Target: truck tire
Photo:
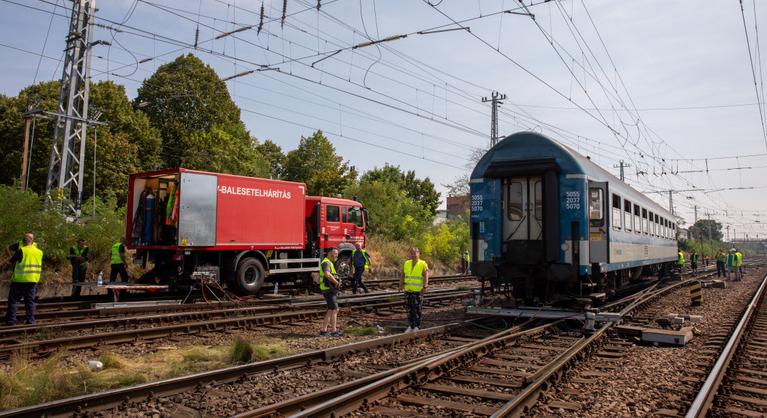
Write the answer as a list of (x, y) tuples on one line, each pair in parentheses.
[(249, 276), (344, 265)]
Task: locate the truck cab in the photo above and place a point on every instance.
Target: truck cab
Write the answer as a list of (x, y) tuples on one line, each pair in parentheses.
[(334, 222)]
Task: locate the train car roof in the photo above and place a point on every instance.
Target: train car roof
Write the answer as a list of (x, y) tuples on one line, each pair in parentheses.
[(527, 151)]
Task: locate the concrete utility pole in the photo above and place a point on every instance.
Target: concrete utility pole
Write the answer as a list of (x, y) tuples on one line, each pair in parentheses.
[(66, 166), (671, 201), (622, 165), (496, 102), (695, 208)]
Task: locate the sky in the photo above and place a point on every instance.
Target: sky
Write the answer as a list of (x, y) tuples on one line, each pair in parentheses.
[(665, 86)]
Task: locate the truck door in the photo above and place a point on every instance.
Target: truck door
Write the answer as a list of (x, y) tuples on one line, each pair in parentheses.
[(598, 225), (523, 220), (333, 231), (197, 209)]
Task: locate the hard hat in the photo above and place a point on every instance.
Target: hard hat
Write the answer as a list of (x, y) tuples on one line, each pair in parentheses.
[(732, 249)]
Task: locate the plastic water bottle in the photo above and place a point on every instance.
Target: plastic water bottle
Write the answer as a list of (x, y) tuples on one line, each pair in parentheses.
[(100, 280)]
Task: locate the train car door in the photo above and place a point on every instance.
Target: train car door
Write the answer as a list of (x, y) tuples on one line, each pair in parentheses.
[(523, 220), (598, 225)]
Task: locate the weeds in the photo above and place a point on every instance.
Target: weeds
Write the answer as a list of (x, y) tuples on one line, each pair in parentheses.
[(241, 351), (269, 349)]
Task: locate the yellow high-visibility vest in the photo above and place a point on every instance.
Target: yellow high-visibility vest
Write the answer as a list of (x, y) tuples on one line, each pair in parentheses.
[(323, 283), (29, 269), (414, 275)]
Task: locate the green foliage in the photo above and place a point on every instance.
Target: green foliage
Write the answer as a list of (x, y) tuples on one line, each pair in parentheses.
[(274, 156), (128, 142), (445, 242), (23, 211), (703, 248), (421, 191), (391, 213), (199, 122), (706, 229), (316, 163)]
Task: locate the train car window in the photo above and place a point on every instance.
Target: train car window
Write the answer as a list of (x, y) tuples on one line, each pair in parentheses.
[(596, 201), (628, 219), (515, 201), (645, 224), (651, 223), (616, 212), (637, 220), (538, 190), (333, 214)]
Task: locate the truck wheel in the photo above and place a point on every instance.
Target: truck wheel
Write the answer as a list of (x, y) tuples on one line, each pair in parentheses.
[(249, 276), (344, 265)]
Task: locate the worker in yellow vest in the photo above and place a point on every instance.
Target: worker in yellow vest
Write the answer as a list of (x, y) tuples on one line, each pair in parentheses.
[(26, 275), (329, 285), (680, 261), (415, 281), (78, 256), (732, 264), (118, 262), (720, 259), (466, 262), (739, 262)]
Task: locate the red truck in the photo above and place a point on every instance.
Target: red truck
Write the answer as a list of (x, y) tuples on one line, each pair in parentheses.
[(244, 229)]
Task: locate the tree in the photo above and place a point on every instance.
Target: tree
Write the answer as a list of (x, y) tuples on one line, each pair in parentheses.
[(421, 191), (316, 163), (459, 186), (274, 156), (126, 144), (199, 122), (391, 213), (706, 229)]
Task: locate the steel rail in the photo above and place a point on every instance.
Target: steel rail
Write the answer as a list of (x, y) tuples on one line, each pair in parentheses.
[(112, 398), (549, 375), (705, 397), (337, 402), (305, 312), (177, 313)]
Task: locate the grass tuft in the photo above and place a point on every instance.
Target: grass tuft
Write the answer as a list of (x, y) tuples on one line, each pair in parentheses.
[(241, 351), (113, 361), (269, 349)]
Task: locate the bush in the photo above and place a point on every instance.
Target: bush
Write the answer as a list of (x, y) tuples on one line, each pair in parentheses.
[(445, 242), (24, 211)]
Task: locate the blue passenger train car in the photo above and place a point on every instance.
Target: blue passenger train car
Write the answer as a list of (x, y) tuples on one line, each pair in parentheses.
[(548, 224)]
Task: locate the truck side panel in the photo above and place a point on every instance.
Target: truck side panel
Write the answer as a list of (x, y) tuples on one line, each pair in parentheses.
[(257, 212)]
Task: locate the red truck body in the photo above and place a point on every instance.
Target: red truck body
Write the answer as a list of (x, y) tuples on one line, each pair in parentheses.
[(243, 228)]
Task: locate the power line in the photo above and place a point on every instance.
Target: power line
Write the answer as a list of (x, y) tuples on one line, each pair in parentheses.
[(753, 73)]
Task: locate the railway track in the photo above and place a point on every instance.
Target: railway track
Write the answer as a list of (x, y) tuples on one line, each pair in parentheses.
[(131, 329), (502, 376), (737, 383), (200, 387)]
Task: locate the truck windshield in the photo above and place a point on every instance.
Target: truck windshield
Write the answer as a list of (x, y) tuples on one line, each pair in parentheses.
[(355, 216)]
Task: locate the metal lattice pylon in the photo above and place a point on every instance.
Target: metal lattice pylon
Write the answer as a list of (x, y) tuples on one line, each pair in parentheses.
[(64, 185)]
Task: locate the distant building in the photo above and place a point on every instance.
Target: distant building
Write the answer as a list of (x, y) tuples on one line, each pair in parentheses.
[(457, 206), (683, 234)]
